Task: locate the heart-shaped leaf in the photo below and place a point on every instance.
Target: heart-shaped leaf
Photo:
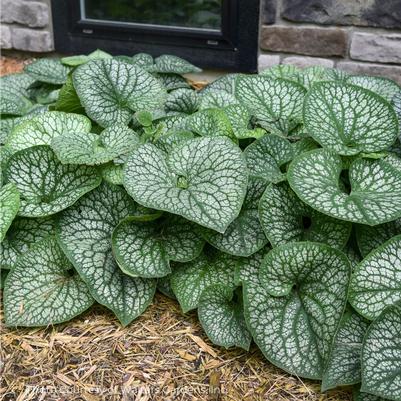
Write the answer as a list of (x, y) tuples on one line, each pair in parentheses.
[(182, 101), (244, 236), (10, 203), (267, 156), (285, 218), (43, 288), (349, 119), (46, 186), (370, 238), (91, 149), (111, 91), (173, 64), (84, 232), (203, 180), (276, 103), (42, 128), (144, 249), (22, 234), (381, 356), (222, 317), (344, 366), (189, 280), (367, 201), (376, 282), (48, 70), (294, 309)]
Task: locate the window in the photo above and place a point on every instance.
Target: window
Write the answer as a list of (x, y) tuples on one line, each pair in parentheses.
[(209, 33)]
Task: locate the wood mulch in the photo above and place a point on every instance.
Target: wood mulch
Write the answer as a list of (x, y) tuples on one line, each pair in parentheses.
[(162, 356)]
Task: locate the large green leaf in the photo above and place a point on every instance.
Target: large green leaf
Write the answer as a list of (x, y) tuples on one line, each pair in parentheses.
[(46, 186), (370, 238), (84, 232), (344, 366), (10, 203), (244, 236), (221, 315), (376, 282), (91, 149), (173, 64), (293, 310), (68, 100), (48, 70), (144, 249), (43, 288), (381, 356), (203, 180), (267, 156), (42, 128), (349, 119), (22, 234), (285, 218), (189, 280), (315, 178), (182, 100), (276, 103), (111, 91)]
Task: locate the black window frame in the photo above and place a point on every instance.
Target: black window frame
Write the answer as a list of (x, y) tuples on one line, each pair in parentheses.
[(235, 48)]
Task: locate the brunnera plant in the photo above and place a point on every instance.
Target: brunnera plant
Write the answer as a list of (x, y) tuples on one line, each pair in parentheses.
[(269, 203)]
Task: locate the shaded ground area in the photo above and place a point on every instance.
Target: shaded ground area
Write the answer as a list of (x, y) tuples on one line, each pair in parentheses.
[(162, 356)]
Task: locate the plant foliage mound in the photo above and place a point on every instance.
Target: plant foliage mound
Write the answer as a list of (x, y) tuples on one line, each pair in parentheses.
[(270, 203)]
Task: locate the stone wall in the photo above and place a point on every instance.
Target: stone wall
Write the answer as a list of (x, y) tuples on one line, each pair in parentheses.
[(358, 36), (26, 25)]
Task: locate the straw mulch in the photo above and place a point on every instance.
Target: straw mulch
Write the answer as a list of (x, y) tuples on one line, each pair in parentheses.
[(161, 356)]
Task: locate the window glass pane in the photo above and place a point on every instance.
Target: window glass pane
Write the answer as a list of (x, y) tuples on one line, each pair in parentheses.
[(182, 13)]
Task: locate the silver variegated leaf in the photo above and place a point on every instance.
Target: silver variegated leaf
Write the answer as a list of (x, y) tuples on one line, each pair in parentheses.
[(172, 64), (84, 232), (22, 234), (295, 306), (210, 122), (381, 356), (376, 282), (182, 100), (267, 156), (344, 366), (43, 288), (285, 218), (10, 204), (375, 192), (111, 91), (92, 149), (203, 180), (370, 238), (42, 128), (221, 315), (13, 102), (276, 103), (46, 186), (48, 70), (349, 119), (213, 99), (74, 61), (189, 280), (244, 236)]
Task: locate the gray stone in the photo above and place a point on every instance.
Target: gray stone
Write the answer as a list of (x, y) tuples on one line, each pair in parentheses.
[(388, 71), (32, 40), (382, 48), (376, 13), (267, 61), (5, 37), (302, 40), (269, 10), (303, 62), (29, 13)]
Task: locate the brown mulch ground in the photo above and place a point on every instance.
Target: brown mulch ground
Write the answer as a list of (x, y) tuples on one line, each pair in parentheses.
[(161, 356)]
